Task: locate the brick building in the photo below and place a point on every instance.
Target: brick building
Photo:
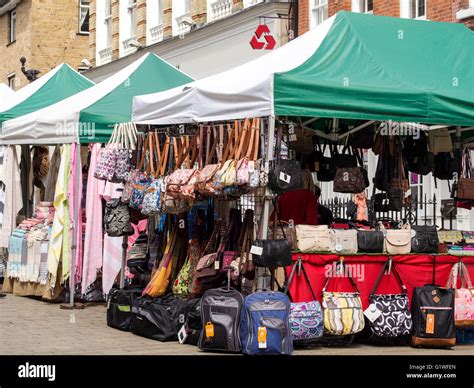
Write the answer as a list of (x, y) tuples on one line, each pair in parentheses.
[(313, 12), (45, 32)]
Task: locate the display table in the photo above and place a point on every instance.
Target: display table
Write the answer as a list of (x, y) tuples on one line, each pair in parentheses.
[(414, 269)]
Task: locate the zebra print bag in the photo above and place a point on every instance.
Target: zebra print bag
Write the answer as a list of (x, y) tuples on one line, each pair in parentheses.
[(395, 317), (117, 219)]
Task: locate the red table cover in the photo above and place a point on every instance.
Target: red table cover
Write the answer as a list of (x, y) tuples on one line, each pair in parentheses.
[(415, 271)]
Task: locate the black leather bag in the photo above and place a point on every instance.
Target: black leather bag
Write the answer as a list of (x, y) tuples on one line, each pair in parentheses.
[(275, 253), (193, 321), (159, 319), (285, 175), (344, 159), (325, 168), (432, 309), (391, 201), (117, 219), (119, 307), (370, 241), (446, 166), (425, 239), (220, 314)]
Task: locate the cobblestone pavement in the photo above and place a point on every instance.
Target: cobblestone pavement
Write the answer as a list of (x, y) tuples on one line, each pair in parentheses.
[(29, 326)]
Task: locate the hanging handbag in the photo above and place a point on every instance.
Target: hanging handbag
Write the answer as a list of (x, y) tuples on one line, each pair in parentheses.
[(463, 297), (246, 166), (425, 239), (206, 176), (181, 183), (117, 219), (370, 241), (344, 242), (363, 138), (152, 201), (351, 179), (398, 241), (105, 167), (465, 184), (440, 141), (142, 180), (300, 139), (392, 310), (346, 159), (227, 174), (306, 318), (310, 238), (125, 146), (343, 314)]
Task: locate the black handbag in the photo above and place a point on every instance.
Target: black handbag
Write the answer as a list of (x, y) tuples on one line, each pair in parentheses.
[(395, 318), (193, 321), (391, 201), (344, 159), (324, 166), (370, 241), (432, 308), (285, 175), (160, 318), (272, 253), (117, 219), (425, 239)]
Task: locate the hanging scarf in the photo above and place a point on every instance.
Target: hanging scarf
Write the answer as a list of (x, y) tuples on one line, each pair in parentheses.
[(361, 202)]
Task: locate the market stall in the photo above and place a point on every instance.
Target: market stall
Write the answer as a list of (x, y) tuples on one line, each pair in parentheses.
[(90, 117)]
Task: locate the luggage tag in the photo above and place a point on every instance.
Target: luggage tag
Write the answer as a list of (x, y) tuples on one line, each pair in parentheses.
[(293, 137), (430, 323), (209, 328), (262, 337), (183, 334), (285, 177), (216, 264), (372, 313), (256, 250)]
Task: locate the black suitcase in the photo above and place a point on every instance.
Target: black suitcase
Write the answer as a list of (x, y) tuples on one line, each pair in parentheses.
[(119, 307), (160, 318), (220, 315), (433, 317)]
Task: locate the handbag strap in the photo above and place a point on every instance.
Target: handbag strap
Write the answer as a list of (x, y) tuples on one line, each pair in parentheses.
[(465, 278), (151, 164), (227, 149), (213, 238), (143, 155), (256, 130), (298, 264), (353, 283), (385, 267), (187, 150)]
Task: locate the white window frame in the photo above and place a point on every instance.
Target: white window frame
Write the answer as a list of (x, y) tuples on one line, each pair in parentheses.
[(180, 9), (11, 80), (103, 32), (406, 9), (315, 6), (12, 21), (108, 23), (154, 21), (132, 10), (83, 6), (362, 6), (251, 3)]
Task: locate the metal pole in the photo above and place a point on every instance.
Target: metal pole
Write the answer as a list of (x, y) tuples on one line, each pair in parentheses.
[(76, 228), (124, 261), (268, 193)]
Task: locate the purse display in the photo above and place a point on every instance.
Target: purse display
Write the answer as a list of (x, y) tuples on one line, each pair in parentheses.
[(463, 296), (311, 238), (392, 310), (425, 239), (344, 242), (398, 241), (343, 314), (306, 318), (271, 253), (349, 178), (324, 166), (370, 241), (450, 236)]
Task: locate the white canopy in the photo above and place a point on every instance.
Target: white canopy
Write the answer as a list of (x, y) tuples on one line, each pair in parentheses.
[(244, 91), (5, 94)]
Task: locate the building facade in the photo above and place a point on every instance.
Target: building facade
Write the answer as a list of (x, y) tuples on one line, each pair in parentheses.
[(200, 37), (313, 12), (44, 32)]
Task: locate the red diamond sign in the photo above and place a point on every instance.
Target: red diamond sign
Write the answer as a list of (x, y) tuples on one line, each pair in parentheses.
[(267, 43)]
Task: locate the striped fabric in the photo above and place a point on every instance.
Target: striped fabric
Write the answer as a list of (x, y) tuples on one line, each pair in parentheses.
[(343, 313)]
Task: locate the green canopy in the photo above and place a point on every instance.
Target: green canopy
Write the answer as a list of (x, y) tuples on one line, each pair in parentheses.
[(58, 84), (380, 68), (152, 75)]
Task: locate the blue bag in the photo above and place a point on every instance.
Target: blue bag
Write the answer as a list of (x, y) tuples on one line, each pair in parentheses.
[(264, 327)]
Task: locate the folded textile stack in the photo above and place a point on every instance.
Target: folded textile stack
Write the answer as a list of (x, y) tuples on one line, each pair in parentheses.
[(15, 249), (461, 250)]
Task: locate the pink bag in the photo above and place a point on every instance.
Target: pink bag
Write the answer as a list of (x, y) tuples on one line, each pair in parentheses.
[(464, 296)]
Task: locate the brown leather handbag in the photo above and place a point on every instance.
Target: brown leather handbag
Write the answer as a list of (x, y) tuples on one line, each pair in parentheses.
[(465, 185)]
